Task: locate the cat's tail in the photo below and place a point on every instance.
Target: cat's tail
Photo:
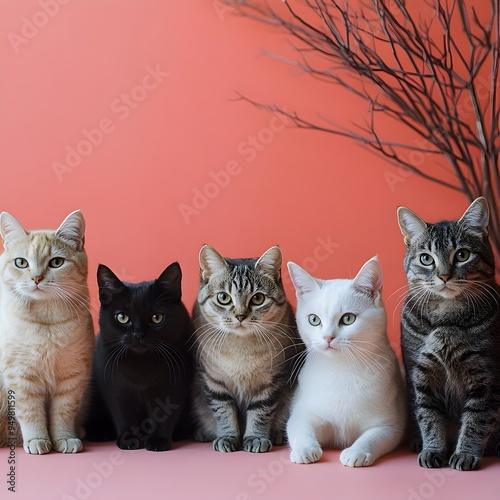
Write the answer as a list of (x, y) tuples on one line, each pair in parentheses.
[(10, 432)]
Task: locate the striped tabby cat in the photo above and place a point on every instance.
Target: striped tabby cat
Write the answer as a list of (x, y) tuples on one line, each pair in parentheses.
[(46, 332), (450, 336), (245, 342)]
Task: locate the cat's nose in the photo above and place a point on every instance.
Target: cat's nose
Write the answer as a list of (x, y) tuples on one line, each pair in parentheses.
[(241, 317), (37, 279), (444, 277), (138, 335), (329, 339)]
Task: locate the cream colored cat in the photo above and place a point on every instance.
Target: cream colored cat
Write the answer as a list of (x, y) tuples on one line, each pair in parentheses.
[(46, 332)]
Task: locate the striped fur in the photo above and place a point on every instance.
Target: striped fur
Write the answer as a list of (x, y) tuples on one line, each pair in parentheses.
[(46, 332), (245, 342), (450, 337)]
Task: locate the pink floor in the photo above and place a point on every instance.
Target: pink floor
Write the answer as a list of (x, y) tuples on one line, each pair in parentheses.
[(195, 471)]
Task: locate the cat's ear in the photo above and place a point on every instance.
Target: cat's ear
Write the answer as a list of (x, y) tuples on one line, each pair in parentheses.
[(10, 229), (270, 262), (109, 284), (301, 279), (370, 278), (411, 225), (170, 282), (477, 216), (72, 229), (211, 262)]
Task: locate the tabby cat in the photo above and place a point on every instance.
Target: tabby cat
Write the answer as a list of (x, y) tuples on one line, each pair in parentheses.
[(450, 336), (142, 369), (350, 392), (46, 331), (245, 343)]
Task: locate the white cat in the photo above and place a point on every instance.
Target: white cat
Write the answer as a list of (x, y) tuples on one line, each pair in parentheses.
[(350, 392)]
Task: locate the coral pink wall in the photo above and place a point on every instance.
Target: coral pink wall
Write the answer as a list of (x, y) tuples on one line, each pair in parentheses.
[(144, 93)]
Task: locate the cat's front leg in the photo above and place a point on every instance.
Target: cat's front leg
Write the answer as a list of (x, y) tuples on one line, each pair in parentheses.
[(428, 410), (478, 423), (305, 448), (259, 420), (31, 415), (163, 416), (64, 407), (225, 412), (371, 445)]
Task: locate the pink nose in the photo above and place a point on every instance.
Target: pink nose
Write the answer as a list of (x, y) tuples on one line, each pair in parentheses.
[(37, 279), (329, 339)]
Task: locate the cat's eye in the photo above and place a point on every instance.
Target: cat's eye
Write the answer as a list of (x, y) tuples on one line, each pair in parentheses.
[(314, 320), (426, 259), (462, 255), (157, 318), (223, 298), (21, 263), (348, 319), (258, 299), (122, 318), (56, 262)]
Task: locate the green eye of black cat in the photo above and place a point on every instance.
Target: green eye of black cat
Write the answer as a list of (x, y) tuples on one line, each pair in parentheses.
[(157, 318), (122, 318), (223, 298), (258, 299), (56, 262), (348, 319), (462, 255), (426, 259), (314, 320), (21, 263)]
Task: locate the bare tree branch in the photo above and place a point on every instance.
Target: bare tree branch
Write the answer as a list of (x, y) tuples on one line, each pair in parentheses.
[(431, 66)]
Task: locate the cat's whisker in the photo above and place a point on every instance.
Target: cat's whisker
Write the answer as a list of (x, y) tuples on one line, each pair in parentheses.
[(114, 358)]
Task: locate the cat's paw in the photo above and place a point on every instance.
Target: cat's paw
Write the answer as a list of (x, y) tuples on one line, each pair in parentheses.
[(464, 461), (68, 445), (226, 444), (154, 443), (307, 455), (125, 442), (356, 458), (431, 459), (37, 446), (257, 444)]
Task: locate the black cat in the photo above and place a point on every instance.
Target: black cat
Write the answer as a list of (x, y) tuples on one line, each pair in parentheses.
[(142, 369)]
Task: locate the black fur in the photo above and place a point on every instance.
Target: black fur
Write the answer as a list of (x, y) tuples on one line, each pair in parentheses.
[(142, 369)]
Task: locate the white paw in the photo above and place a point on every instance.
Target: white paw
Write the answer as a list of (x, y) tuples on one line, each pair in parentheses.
[(306, 455), (37, 446), (356, 458), (68, 445)]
